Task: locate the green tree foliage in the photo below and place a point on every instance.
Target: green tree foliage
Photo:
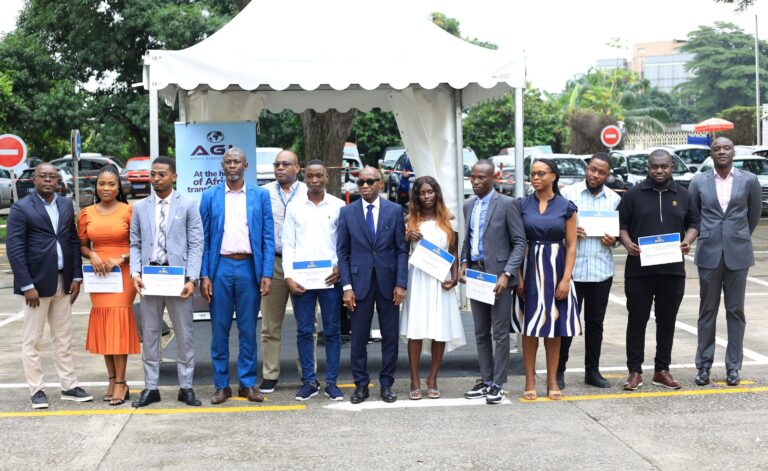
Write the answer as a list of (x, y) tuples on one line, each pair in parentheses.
[(741, 5), (373, 132), (450, 25), (70, 46), (724, 64), (677, 106), (743, 119), (585, 126), (282, 130), (489, 127)]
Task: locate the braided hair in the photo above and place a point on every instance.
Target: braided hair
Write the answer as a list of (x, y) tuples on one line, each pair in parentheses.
[(109, 168), (553, 168)]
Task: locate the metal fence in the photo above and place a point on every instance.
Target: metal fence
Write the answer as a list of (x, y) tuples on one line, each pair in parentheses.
[(644, 141)]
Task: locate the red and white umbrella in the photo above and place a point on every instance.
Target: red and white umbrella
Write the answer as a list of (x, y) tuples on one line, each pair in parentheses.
[(713, 125)]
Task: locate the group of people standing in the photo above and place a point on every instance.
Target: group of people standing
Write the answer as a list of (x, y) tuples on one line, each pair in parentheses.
[(245, 247)]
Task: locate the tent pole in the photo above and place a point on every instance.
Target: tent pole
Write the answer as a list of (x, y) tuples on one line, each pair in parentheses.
[(154, 136), (183, 105), (459, 184)]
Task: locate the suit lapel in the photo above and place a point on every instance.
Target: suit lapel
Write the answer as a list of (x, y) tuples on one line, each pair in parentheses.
[(219, 208), (361, 219), (37, 203), (250, 201), (712, 187), (382, 222), (489, 211), (172, 213), (738, 182), (62, 204)]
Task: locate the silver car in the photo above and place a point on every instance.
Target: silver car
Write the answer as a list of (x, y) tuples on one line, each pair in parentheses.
[(6, 195)]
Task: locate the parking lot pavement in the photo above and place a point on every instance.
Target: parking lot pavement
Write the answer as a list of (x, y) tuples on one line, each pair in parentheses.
[(709, 427)]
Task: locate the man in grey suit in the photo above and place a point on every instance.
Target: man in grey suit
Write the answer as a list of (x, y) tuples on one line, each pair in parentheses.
[(166, 230), (729, 200), (495, 244)]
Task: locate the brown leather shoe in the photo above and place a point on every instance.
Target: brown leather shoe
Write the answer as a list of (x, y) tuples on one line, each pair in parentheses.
[(663, 378), (253, 394), (221, 395), (634, 381)]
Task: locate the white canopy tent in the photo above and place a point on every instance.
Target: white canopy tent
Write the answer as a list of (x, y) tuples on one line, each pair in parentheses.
[(298, 55)]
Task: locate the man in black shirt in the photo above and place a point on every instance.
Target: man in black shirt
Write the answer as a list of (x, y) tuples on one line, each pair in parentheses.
[(656, 206)]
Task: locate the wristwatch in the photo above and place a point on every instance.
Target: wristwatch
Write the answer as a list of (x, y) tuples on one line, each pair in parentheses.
[(193, 280), (509, 275)]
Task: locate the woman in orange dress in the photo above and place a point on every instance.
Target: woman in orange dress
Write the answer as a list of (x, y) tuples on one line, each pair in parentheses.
[(104, 230)]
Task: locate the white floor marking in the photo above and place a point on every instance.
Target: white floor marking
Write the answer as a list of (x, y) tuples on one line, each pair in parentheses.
[(406, 403), (12, 318), (649, 368)]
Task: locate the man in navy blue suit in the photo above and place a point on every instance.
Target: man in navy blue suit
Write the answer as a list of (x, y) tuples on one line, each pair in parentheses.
[(373, 264), (238, 257), (44, 252)]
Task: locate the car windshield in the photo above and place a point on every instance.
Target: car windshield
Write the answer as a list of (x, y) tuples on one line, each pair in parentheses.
[(756, 166), (266, 156), (638, 165), (469, 157), (393, 154), (571, 167), (139, 164)]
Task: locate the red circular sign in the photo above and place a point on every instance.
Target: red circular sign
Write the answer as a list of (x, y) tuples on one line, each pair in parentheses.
[(13, 151), (610, 136)]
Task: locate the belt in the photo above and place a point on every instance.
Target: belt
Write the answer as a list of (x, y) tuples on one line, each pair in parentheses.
[(155, 264), (477, 264), (237, 256)]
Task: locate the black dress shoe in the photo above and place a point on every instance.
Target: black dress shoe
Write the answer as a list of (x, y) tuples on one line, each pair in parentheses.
[(360, 394), (702, 378), (560, 377), (147, 397), (188, 395), (733, 378), (594, 378), (387, 395)]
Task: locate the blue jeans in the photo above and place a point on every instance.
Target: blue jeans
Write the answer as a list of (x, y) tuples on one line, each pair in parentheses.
[(304, 310), (235, 288)]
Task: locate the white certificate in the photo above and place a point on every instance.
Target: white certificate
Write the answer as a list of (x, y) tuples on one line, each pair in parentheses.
[(432, 260), (599, 223), (311, 274), (162, 281), (111, 283), (480, 286), (659, 249)]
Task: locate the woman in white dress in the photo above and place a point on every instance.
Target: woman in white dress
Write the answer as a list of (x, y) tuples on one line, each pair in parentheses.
[(430, 318)]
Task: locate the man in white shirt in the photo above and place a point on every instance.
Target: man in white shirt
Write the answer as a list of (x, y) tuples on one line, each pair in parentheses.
[(284, 190), (309, 242)]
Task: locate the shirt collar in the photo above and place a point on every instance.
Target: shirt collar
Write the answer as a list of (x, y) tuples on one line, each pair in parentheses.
[(585, 189), (53, 201), (487, 197), (227, 189), (324, 201), (167, 198), (376, 203), (730, 174)]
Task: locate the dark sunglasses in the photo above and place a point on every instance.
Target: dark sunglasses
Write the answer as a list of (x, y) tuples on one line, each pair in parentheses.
[(369, 181)]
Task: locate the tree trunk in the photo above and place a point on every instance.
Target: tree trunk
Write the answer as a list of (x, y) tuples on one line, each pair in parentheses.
[(324, 137)]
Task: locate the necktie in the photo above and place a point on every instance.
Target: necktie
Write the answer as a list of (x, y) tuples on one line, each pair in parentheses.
[(476, 229), (161, 253), (369, 221)]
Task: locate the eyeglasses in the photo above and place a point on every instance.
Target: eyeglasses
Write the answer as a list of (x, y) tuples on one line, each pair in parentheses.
[(369, 181), (284, 164), (539, 174), (47, 176)]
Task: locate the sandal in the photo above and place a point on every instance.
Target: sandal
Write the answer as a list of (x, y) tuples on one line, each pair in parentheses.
[(108, 396), (554, 394), (415, 394), (530, 395), (118, 402), (433, 393)]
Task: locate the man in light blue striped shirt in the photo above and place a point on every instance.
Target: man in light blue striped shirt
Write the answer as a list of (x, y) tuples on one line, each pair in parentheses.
[(593, 271)]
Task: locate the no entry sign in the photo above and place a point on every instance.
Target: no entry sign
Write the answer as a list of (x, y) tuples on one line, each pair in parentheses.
[(610, 136), (13, 151)]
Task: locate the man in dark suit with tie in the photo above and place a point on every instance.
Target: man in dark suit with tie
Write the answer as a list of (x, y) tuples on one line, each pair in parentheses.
[(238, 257), (373, 264), (44, 252), (730, 202), (495, 244)]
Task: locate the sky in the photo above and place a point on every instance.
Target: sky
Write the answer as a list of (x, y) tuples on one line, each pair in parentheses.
[(562, 38)]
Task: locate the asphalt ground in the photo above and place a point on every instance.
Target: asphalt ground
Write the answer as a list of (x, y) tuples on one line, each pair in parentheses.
[(710, 427)]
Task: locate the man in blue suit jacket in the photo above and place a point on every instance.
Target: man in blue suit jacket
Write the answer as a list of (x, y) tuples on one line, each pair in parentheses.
[(44, 252), (238, 257), (373, 264)]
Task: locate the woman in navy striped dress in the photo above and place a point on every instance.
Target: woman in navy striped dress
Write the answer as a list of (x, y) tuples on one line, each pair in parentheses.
[(545, 300)]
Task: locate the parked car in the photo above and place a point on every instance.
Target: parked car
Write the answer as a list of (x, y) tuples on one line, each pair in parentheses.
[(137, 171), (633, 165), (572, 167), (25, 185), (398, 181), (390, 156), (616, 181), (751, 163), (691, 154), (265, 160), (89, 167), (505, 182), (762, 151), (6, 194)]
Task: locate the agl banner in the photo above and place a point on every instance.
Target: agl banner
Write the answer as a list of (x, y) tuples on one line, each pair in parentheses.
[(199, 151)]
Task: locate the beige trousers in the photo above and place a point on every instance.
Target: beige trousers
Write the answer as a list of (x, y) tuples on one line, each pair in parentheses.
[(272, 315), (57, 311)]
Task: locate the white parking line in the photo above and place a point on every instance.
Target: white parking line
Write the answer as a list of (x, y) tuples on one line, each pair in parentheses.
[(12, 318), (371, 405)]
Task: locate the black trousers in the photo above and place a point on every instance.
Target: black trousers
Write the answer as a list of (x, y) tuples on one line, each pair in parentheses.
[(593, 301), (665, 294)]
